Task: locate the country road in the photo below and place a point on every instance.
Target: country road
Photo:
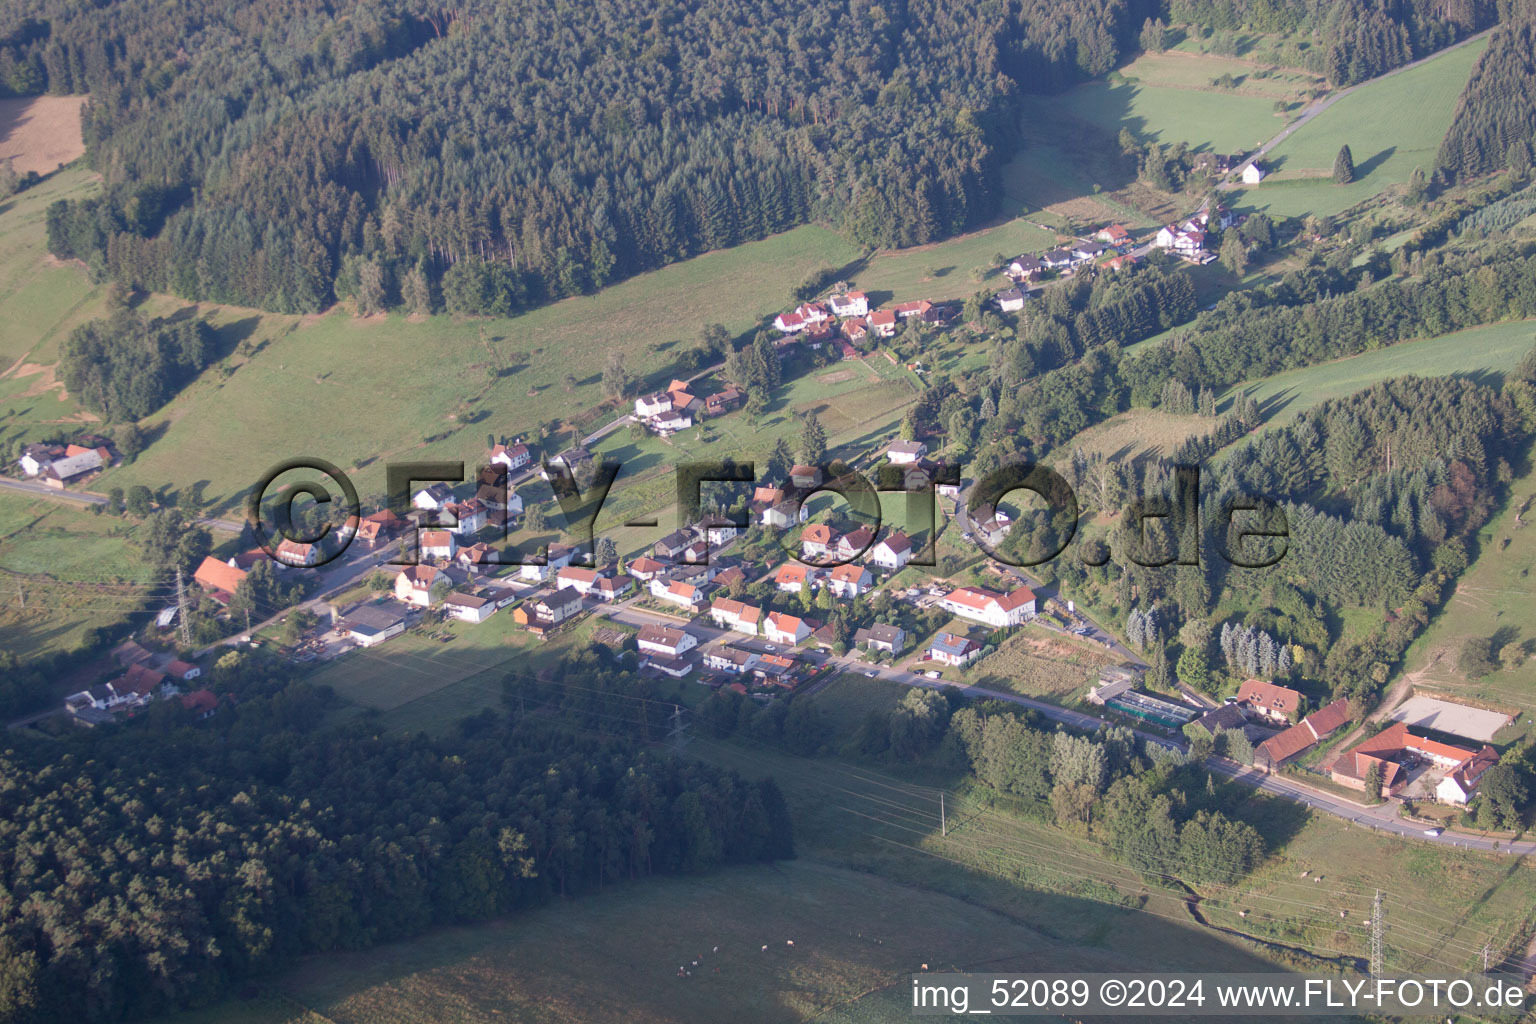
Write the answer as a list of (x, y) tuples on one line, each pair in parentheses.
[(91, 498)]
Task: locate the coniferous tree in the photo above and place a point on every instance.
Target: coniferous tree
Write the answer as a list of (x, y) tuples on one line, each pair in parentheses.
[(1344, 166)]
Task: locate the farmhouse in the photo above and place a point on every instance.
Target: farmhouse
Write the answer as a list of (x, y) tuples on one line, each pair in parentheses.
[(1301, 737), (653, 404), (219, 580), (73, 468), (990, 607), (850, 581), (37, 457), (785, 629), (1228, 717), (1274, 703), (903, 453), (414, 584), (893, 552), (881, 637), (182, 671), (1253, 173), (672, 546), (949, 649), (1395, 749), (665, 641)]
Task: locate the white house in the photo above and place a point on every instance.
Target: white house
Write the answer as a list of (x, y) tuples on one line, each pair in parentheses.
[(512, 456), (430, 499), (468, 607), (718, 530), (949, 649), (785, 629), (685, 595), (1011, 301), (849, 581), (437, 544), (1460, 784), (818, 541), (785, 514), (671, 422), (578, 578), (414, 584), (893, 552), (735, 615), (1253, 173), (655, 404), (990, 607), (556, 558), (730, 659), (904, 453), (665, 641), (471, 516), (852, 304), (792, 577)]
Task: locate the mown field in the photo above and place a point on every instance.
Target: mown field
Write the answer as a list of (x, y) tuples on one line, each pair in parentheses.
[(1391, 126)]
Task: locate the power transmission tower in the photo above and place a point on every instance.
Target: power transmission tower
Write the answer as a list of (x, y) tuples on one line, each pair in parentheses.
[(1377, 927), (679, 733), (181, 610), (943, 819), (1485, 958)]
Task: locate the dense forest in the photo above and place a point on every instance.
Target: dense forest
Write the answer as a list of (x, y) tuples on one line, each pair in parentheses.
[(1356, 39), (493, 155), (155, 864), (1495, 122)]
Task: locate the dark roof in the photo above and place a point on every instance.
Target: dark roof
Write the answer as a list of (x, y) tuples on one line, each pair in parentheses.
[(1228, 716)]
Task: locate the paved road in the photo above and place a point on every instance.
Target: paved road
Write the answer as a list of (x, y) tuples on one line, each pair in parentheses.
[(91, 498), (1328, 101)]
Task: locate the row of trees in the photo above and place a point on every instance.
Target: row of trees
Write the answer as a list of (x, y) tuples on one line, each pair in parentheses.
[(125, 367), (1495, 122)]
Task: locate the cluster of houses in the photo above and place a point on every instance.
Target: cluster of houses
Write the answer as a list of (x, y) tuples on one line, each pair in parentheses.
[(847, 320), (58, 465), (677, 408), (1113, 240), (145, 678), (1396, 752), (1188, 240)]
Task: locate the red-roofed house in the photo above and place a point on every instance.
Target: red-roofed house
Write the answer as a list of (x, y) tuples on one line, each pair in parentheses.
[(218, 579), (990, 607), (1460, 784), (1302, 736), (818, 541), (414, 584), (785, 629), (438, 544), (685, 595), (202, 703), (1276, 703), (1387, 748), (735, 615), (883, 323), (850, 580), (792, 577), (514, 456)]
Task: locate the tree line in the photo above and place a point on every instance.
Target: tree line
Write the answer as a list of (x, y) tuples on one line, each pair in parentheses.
[(405, 154), (157, 864), (1495, 123), (125, 367)]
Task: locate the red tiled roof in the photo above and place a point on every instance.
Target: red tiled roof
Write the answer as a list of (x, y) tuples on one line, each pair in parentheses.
[(791, 572), (199, 700), (849, 573), (785, 623), (1327, 720), (1269, 695), (1015, 598), (216, 575), (818, 533), (1286, 745)]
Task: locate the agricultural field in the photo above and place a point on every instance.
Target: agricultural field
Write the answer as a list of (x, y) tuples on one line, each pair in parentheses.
[(63, 571), (1039, 663), (1391, 126), (1136, 434), (41, 133)]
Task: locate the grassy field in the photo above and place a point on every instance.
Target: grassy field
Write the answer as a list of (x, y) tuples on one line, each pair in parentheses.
[(1482, 352), (1492, 599), (63, 571), (1038, 663), (1391, 126), (1138, 433)]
